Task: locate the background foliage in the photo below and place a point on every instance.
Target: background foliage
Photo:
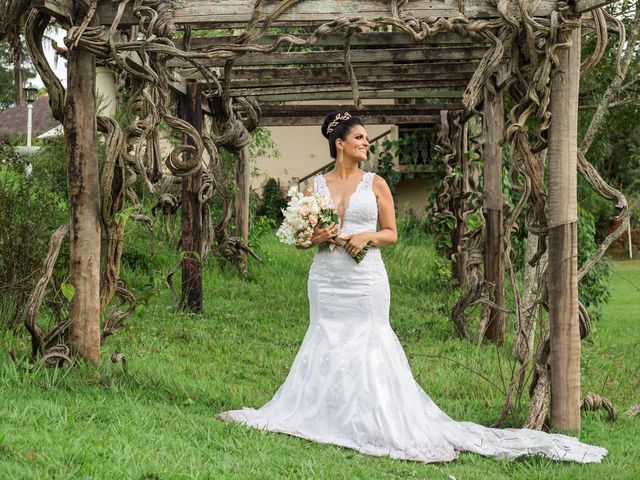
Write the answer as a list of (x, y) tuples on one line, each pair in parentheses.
[(32, 207), (7, 88)]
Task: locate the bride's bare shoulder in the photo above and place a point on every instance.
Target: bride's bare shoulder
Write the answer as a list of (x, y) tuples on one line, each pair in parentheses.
[(379, 183)]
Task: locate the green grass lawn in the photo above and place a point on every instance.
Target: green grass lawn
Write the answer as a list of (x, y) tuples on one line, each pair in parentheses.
[(156, 420)]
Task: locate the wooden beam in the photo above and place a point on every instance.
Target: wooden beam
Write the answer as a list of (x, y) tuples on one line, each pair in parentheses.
[(296, 83), (61, 10), (237, 13), (363, 87), (358, 39), (301, 79), (327, 74), (286, 77), (229, 14), (370, 119), (323, 110), (582, 6), (441, 96), (309, 115), (417, 54)]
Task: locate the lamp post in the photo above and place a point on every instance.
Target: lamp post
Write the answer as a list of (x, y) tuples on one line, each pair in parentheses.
[(30, 96)]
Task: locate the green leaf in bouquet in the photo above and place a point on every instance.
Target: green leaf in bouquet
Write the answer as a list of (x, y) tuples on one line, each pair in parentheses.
[(362, 253)]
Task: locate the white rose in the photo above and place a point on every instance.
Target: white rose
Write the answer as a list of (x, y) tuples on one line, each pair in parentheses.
[(315, 208), (324, 202)]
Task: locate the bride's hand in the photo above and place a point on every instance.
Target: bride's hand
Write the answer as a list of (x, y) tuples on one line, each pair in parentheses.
[(322, 235), (355, 243)]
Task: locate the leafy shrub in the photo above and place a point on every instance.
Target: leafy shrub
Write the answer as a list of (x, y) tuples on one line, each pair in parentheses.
[(385, 168), (32, 206), (594, 287), (273, 201), (50, 167)]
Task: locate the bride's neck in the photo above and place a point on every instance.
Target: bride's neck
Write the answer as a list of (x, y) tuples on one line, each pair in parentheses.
[(345, 168)]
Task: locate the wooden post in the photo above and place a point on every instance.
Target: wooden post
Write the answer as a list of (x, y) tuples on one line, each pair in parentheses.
[(84, 203), (241, 203), (563, 247), (493, 131), (191, 111)]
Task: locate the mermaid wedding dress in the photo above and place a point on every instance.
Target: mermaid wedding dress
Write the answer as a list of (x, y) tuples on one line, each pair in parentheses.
[(351, 385)]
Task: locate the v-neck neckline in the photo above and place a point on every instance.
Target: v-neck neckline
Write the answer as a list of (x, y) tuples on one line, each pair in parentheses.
[(333, 204)]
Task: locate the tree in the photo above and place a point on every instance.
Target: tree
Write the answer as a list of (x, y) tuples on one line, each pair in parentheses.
[(10, 74), (609, 98)]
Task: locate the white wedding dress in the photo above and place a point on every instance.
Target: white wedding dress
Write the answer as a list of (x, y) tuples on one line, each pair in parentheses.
[(351, 385)]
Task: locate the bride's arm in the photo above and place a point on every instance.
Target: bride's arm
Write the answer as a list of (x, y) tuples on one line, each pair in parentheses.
[(388, 233)]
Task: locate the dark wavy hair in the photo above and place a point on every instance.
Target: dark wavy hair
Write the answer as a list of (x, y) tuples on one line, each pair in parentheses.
[(340, 131)]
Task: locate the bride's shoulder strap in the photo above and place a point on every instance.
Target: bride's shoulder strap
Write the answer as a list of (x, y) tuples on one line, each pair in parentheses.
[(367, 180), (318, 184)]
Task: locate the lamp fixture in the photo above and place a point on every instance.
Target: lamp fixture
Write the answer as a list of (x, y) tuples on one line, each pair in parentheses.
[(30, 94)]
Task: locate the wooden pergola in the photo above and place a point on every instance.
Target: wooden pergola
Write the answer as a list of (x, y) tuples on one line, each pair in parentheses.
[(341, 52)]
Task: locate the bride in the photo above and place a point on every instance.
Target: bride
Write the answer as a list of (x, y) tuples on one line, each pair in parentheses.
[(350, 383)]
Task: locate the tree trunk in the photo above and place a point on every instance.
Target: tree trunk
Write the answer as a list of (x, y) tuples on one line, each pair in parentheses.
[(493, 131), (241, 202), (615, 86), (524, 339), (18, 59), (84, 202), (563, 247), (191, 244)]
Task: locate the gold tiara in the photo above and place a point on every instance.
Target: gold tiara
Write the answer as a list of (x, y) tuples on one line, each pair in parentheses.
[(336, 121)]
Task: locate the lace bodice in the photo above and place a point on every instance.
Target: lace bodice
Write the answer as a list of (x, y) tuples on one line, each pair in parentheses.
[(361, 214)]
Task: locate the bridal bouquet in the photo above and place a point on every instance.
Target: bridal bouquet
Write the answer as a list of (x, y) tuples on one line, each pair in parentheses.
[(301, 216)]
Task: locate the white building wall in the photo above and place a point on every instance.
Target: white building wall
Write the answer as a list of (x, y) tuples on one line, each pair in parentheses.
[(302, 150)]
